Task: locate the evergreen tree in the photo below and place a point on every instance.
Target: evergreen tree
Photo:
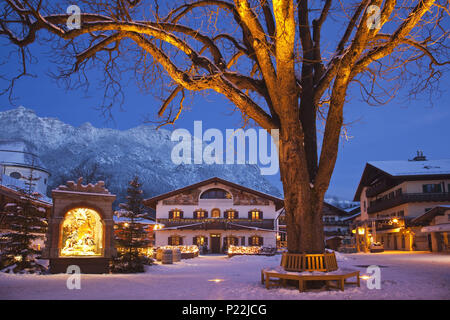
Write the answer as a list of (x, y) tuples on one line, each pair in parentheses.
[(131, 235), (25, 222)]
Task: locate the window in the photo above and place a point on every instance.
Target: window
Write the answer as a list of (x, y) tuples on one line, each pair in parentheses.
[(448, 217), (175, 241), (401, 213), (199, 240), (175, 214), (255, 215), (215, 213), (255, 241), (15, 175), (231, 214), (398, 192), (200, 214), (432, 188), (215, 193), (231, 241)]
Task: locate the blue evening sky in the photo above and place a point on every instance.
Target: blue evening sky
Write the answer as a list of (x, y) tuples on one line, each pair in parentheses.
[(390, 132)]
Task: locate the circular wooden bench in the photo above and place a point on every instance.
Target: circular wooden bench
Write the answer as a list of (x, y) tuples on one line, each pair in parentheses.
[(292, 262)]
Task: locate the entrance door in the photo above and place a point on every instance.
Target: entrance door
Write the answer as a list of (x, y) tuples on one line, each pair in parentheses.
[(215, 243)]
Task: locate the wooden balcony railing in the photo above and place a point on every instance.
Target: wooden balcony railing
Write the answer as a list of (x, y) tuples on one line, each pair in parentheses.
[(217, 223), (383, 204)]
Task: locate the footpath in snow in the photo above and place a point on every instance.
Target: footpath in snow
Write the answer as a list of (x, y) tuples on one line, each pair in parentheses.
[(403, 276)]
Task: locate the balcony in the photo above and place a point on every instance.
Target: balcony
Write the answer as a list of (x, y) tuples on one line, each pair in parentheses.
[(383, 204), (335, 223), (217, 224)]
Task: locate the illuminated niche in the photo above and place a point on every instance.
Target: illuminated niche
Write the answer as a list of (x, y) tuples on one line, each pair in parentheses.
[(82, 233)]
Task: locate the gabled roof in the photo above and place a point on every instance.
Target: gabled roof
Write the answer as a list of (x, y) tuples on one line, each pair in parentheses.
[(413, 168), (151, 202), (335, 210), (402, 170)]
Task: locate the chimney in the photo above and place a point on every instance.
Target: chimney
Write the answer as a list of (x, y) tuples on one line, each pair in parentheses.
[(419, 156)]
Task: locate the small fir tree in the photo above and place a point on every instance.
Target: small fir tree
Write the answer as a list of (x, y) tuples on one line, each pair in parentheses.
[(25, 222), (131, 235)]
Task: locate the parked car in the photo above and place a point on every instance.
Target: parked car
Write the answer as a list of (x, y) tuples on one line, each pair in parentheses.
[(376, 247)]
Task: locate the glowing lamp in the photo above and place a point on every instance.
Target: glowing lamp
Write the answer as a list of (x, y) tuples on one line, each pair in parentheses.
[(361, 231), (395, 220)]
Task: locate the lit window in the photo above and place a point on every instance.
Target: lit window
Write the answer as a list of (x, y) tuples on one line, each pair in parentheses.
[(200, 214), (215, 213), (175, 241), (255, 240), (232, 241), (255, 215), (199, 240), (231, 214), (176, 214)]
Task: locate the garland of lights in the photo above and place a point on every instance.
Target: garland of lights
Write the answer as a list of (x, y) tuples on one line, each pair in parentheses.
[(183, 249)]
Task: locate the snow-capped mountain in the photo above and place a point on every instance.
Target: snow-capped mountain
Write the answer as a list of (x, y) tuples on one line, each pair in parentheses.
[(116, 156)]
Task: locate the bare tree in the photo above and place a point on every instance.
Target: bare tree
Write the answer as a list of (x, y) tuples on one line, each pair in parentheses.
[(270, 59)]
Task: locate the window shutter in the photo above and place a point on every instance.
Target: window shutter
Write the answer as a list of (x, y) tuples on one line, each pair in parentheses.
[(169, 241), (194, 240), (206, 241), (261, 215), (242, 241), (170, 214), (236, 214), (250, 241), (181, 241), (195, 215), (261, 241), (181, 214), (249, 214), (206, 214)]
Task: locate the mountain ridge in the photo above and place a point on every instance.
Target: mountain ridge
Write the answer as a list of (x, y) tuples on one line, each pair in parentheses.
[(116, 155)]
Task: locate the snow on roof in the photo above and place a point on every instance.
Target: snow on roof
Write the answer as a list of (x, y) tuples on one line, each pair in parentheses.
[(18, 152), (410, 168), (141, 221)]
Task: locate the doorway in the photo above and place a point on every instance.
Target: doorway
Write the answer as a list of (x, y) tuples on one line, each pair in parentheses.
[(215, 243)]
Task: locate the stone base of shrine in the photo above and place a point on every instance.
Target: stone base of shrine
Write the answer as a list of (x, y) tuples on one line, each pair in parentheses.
[(86, 265)]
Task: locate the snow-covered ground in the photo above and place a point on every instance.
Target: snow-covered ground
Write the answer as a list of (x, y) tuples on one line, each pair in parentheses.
[(403, 276)]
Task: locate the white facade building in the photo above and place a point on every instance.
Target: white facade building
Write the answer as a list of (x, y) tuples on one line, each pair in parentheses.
[(18, 164), (216, 213), (393, 193)]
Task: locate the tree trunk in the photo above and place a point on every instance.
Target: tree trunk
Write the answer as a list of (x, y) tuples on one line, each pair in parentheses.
[(303, 204)]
